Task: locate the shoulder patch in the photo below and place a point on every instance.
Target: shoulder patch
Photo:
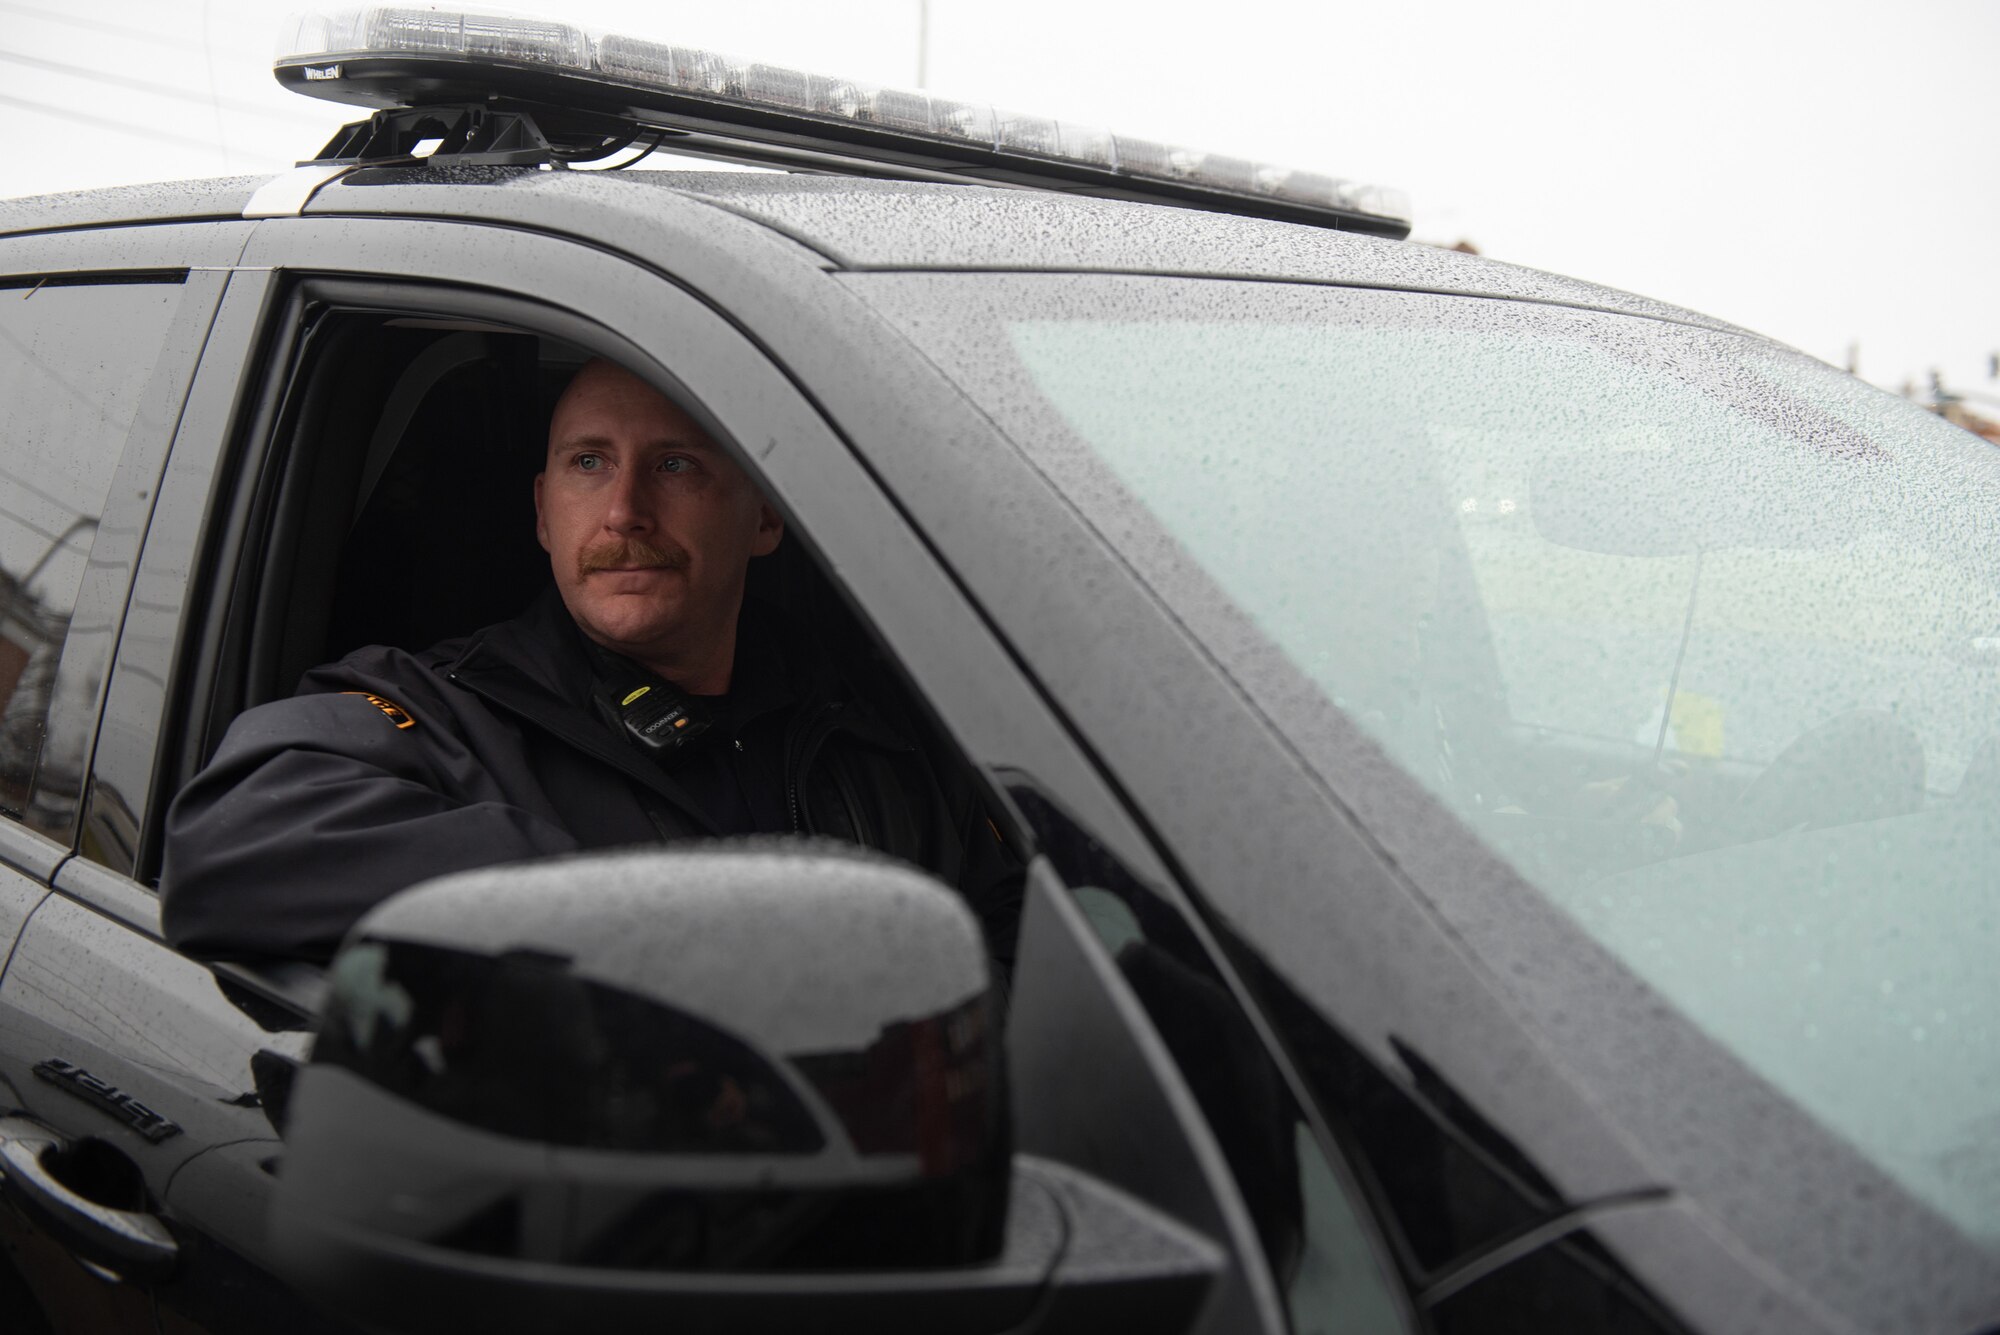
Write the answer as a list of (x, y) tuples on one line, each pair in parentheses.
[(394, 712)]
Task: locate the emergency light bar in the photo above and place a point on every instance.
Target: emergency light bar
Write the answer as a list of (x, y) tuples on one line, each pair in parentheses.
[(587, 85)]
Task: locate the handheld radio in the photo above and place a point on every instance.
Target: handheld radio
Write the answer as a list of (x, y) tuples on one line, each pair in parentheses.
[(661, 718)]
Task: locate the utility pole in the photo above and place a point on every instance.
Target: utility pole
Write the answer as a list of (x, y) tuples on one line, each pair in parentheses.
[(923, 43)]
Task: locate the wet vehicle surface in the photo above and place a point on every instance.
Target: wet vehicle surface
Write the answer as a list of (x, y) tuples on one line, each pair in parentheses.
[(1507, 771)]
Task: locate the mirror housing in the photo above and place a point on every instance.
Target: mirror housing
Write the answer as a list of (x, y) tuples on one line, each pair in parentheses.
[(764, 1056)]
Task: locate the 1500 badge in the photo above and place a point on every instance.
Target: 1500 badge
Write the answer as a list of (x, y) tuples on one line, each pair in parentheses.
[(117, 1102)]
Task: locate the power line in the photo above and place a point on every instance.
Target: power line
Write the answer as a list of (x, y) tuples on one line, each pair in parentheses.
[(214, 97), (106, 123), (55, 539), (148, 86), (97, 25)]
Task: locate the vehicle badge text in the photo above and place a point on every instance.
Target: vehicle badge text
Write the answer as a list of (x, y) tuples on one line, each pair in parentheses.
[(69, 1076)]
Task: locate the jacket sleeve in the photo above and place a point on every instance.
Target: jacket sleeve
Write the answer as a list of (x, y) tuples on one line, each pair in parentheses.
[(313, 810)]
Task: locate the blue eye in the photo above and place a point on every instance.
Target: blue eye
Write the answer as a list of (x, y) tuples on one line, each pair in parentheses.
[(588, 463), (675, 464)]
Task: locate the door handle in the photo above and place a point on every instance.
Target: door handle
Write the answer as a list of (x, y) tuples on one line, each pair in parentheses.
[(127, 1241)]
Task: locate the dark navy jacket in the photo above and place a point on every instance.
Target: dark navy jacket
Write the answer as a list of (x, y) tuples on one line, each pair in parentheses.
[(391, 767)]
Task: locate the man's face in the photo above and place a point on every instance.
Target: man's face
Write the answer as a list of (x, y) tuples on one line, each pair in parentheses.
[(648, 524)]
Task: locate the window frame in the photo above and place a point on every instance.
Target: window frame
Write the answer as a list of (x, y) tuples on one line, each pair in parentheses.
[(576, 293), (190, 256)]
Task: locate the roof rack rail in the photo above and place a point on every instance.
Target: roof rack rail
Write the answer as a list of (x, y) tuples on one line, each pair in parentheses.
[(502, 88)]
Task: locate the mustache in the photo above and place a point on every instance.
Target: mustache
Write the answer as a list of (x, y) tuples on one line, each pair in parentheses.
[(630, 553)]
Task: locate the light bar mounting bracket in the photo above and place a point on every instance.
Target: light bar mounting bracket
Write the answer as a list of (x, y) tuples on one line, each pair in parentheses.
[(502, 134)]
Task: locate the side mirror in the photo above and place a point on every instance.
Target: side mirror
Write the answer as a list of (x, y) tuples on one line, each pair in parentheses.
[(747, 1087), (765, 1057)]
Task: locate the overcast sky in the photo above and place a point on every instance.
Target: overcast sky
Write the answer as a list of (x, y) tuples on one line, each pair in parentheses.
[(1822, 172)]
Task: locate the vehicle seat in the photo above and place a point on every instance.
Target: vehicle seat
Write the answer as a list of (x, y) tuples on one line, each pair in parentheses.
[(443, 535), (1861, 765)]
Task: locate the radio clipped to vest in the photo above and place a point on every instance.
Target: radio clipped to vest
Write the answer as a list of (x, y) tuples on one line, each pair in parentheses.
[(660, 718)]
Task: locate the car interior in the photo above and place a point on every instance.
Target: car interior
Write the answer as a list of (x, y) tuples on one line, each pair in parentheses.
[(398, 509)]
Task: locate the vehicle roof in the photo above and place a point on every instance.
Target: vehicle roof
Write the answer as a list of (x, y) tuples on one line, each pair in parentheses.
[(154, 202), (871, 224), (865, 224)]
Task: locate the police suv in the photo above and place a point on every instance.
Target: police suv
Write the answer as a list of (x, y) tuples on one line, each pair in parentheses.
[(1508, 772)]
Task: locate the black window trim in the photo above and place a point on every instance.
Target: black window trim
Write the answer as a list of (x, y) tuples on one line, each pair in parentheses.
[(98, 615)]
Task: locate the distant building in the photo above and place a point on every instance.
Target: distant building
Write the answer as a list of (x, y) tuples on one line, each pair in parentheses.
[(1951, 407), (1955, 412)]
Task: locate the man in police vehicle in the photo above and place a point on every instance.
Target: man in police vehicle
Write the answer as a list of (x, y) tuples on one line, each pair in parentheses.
[(640, 699)]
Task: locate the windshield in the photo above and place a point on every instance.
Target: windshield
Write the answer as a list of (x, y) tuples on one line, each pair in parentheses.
[(1700, 636)]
